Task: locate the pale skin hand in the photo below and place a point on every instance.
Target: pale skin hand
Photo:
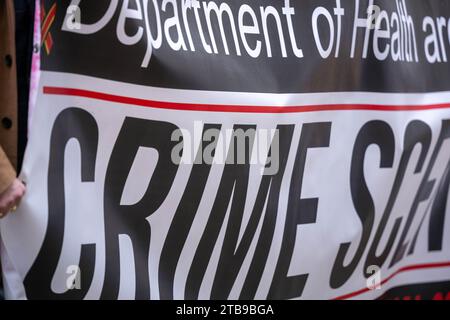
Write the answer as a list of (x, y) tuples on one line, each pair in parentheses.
[(11, 197)]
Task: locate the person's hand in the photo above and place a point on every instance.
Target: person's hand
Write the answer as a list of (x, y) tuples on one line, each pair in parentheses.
[(10, 199)]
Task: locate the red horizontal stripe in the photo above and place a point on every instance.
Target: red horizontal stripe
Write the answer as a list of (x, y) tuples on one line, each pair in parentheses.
[(401, 270), (233, 108)]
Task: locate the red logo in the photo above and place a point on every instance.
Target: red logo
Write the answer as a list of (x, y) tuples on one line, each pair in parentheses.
[(47, 20)]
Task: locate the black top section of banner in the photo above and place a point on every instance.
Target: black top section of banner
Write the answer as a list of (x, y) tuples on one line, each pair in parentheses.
[(103, 55)]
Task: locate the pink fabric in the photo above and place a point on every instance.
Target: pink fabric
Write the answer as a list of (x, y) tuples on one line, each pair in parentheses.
[(36, 62)]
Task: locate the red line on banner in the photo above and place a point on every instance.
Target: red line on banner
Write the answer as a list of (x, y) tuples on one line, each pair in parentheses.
[(401, 270), (233, 108)]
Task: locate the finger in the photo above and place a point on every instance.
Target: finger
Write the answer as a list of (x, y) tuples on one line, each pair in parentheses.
[(15, 205), (9, 207), (16, 197), (21, 191), (3, 208)]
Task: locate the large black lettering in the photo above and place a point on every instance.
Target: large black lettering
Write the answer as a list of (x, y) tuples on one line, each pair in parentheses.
[(72, 123), (437, 214), (185, 214), (372, 133), (423, 194), (264, 243), (232, 188), (233, 254), (131, 219), (437, 208), (300, 211), (417, 133)]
